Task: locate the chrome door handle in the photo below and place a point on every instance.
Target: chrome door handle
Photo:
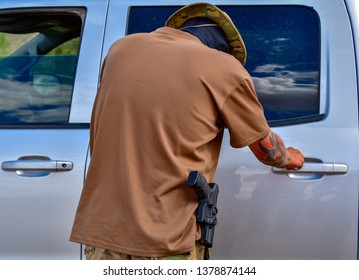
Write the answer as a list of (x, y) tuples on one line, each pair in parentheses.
[(37, 165), (316, 168)]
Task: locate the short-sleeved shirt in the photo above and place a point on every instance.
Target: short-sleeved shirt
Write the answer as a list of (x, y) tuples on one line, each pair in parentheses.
[(163, 103)]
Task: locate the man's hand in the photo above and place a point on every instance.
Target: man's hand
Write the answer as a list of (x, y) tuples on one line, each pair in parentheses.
[(295, 159), (271, 150)]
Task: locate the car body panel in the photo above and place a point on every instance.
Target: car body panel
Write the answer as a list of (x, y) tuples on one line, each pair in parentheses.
[(273, 216), (37, 212)]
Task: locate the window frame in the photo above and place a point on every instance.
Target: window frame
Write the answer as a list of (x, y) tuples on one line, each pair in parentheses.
[(81, 13)]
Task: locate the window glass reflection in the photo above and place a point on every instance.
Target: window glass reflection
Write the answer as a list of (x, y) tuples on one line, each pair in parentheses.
[(38, 62), (283, 44)]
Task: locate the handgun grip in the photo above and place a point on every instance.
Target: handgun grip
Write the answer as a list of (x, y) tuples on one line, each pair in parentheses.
[(199, 183)]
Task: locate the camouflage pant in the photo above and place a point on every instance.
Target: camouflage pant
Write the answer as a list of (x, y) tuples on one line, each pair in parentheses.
[(94, 253)]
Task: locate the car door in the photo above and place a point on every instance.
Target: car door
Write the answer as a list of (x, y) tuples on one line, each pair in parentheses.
[(302, 61), (301, 58), (49, 66)]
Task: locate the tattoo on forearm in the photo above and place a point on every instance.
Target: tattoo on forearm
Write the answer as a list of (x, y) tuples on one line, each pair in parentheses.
[(272, 151)]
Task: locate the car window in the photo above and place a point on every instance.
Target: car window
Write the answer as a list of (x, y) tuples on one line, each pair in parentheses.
[(283, 45), (38, 59)]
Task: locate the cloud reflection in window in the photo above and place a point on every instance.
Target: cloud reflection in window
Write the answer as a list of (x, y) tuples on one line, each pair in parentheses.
[(286, 93)]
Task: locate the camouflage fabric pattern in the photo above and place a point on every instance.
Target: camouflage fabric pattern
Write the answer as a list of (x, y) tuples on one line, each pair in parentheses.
[(237, 46), (95, 253)]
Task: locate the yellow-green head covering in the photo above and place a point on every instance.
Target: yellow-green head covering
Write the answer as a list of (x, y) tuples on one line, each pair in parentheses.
[(206, 10)]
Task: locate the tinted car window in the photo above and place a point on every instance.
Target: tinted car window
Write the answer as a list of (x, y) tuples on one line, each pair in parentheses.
[(283, 44), (38, 62)]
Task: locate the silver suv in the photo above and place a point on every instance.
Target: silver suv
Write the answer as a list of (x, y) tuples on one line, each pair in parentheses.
[(303, 57)]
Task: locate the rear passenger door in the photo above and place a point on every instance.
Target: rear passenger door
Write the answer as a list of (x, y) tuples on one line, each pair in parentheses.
[(49, 65), (301, 58)]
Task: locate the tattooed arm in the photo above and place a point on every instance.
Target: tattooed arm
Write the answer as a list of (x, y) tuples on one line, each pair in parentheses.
[(271, 150)]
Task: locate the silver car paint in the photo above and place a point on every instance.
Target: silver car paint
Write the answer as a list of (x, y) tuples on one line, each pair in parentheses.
[(36, 213), (274, 216), (263, 214)]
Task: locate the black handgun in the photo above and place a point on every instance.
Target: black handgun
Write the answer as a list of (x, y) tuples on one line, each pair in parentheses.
[(207, 207)]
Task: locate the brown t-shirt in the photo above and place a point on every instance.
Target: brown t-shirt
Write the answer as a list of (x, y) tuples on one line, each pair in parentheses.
[(163, 103)]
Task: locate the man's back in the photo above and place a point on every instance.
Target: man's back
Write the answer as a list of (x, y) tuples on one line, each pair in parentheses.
[(160, 112)]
